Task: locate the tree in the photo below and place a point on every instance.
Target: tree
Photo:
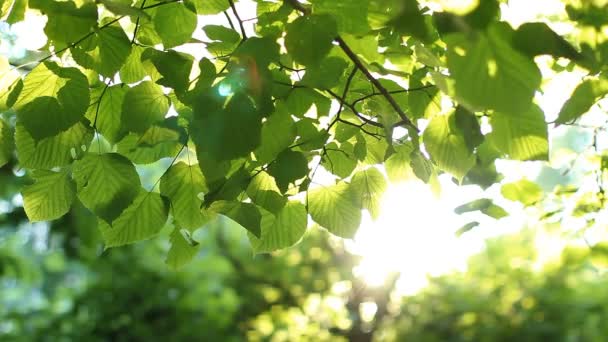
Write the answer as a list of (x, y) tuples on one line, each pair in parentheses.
[(119, 87)]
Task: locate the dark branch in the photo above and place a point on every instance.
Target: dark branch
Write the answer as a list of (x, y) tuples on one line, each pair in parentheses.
[(343, 98), (355, 59), (375, 82), (238, 18), (143, 3)]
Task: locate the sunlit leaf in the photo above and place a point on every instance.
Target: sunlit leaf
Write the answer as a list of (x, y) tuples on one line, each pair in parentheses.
[(335, 208), (141, 220), (50, 197)]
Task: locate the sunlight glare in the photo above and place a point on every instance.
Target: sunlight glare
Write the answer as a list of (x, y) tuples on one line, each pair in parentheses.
[(413, 236)]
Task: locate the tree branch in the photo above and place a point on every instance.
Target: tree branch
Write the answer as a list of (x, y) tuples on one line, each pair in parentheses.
[(355, 59), (343, 98), (238, 18)]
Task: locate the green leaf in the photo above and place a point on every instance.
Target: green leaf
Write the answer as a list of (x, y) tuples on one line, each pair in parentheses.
[(245, 214), (582, 99), (278, 132), (105, 52), (183, 249), (107, 183), (422, 167), (7, 144), (288, 167), (50, 197), (351, 15), (174, 67), (521, 136), (523, 191), (467, 227), (222, 33), (335, 208), (326, 75), (447, 146), (214, 129), (485, 206), (58, 150), (52, 100), (141, 220), (411, 22), (369, 186), (534, 39), (106, 113), (143, 105), (175, 23), (489, 73), (185, 186), (340, 161), (133, 69), (311, 30), (206, 7), (283, 231), (469, 127), (66, 23), (398, 164), (156, 143), (262, 50), (264, 192)]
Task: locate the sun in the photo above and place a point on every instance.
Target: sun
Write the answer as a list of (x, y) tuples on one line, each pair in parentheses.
[(414, 236)]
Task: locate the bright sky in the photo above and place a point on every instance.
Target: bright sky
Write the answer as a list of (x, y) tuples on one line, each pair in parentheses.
[(415, 233)]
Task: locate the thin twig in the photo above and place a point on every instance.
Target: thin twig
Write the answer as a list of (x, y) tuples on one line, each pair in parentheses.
[(375, 82), (238, 18), (143, 3), (343, 98), (409, 90), (229, 20), (355, 59)]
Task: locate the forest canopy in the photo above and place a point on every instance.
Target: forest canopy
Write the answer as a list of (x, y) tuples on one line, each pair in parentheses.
[(297, 118)]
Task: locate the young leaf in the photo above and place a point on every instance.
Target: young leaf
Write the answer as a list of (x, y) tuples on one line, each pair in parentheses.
[(335, 208), (50, 197), (141, 220)]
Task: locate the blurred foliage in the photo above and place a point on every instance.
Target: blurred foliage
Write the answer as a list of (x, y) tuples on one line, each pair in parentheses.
[(507, 294)]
